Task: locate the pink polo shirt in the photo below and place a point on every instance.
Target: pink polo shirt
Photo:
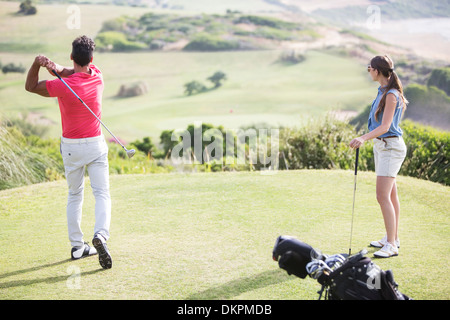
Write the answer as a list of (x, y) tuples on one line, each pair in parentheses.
[(77, 120)]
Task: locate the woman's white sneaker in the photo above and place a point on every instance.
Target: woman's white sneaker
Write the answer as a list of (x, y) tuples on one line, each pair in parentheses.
[(381, 243), (387, 251)]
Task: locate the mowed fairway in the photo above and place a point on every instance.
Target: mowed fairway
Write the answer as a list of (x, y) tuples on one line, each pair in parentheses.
[(210, 236)]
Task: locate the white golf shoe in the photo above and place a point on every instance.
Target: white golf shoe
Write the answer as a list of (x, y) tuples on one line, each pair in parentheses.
[(387, 251), (81, 252), (382, 242), (104, 257)]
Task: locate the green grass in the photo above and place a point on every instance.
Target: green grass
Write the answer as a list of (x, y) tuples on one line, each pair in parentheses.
[(210, 236)]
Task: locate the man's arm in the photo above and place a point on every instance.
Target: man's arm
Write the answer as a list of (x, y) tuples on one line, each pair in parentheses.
[(63, 72), (32, 83)]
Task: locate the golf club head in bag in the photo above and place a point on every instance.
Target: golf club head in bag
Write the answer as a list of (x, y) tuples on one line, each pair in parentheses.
[(293, 255), (359, 278)]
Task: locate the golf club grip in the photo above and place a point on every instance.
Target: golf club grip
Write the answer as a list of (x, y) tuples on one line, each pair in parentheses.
[(356, 161), (56, 74)]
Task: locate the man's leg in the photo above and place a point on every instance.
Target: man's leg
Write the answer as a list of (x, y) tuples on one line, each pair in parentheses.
[(75, 181), (99, 175)]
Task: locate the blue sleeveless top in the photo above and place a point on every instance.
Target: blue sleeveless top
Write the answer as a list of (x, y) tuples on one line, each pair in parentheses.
[(395, 129)]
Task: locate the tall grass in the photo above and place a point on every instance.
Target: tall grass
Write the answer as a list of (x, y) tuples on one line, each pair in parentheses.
[(26, 158), (22, 165), (322, 144)]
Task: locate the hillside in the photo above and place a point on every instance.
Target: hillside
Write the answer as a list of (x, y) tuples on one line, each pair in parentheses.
[(233, 31), (259, 89)]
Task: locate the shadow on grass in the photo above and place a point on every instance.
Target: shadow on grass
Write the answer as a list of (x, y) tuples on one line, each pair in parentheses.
[(18, 283), (239, 286)]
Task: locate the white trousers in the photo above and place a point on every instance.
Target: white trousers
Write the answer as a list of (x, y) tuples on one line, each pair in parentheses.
[(79, 154)]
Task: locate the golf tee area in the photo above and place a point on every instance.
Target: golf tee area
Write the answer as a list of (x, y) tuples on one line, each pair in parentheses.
[(209, 236)]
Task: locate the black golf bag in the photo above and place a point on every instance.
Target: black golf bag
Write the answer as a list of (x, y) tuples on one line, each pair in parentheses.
[(342, 277)]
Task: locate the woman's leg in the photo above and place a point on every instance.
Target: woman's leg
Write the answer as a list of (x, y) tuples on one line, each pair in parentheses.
[(396, 203), (384, 189)]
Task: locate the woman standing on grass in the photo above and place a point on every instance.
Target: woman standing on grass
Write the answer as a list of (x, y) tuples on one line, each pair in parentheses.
[(389, 149)]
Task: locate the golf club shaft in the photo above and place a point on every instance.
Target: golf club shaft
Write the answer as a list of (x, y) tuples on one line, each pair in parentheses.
[(353, 208), (59, 77)]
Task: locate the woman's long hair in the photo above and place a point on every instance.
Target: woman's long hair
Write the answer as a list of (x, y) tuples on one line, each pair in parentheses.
[(385, 66)]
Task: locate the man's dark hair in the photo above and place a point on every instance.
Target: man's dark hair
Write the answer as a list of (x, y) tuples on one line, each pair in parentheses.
[(82, 50)]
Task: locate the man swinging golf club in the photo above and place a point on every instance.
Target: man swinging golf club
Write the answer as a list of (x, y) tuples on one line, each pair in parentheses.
[(82, 143)]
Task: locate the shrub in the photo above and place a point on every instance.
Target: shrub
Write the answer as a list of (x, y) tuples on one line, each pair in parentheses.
[(11, 67), (26, 7), (274, 34), (440, 78), (428, 105), (140, 163), (146, 145), (267, 21), (117, 42), (291, 57), (206, 42), (323, 144), (428, 155)]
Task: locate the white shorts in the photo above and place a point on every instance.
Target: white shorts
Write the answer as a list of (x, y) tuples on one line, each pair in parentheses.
[(389, 154)]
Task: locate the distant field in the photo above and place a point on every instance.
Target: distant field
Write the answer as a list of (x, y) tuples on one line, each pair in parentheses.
[(48, 29), (258, 89)]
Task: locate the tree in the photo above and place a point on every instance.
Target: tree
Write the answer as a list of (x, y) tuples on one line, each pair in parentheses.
[(194, 87), (166, 141), (146, 145), (11, 67), (217, 78)]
